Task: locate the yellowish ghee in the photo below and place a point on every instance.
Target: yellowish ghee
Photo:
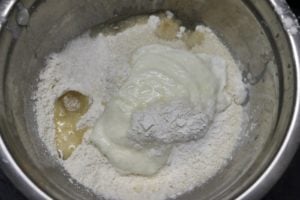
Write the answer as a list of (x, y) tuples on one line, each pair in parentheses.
[(69, 108)]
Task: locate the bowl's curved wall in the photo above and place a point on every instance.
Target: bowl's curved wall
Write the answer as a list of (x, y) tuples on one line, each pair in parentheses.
[(250, 28)]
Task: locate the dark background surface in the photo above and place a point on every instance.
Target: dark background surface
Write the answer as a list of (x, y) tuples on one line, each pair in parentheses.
[(287, 188)]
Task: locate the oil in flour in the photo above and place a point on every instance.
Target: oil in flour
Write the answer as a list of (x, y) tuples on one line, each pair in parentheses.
[(69, 108)]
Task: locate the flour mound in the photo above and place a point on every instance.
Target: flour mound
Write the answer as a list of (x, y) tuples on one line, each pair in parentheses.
[(98, 67), (174, 122)]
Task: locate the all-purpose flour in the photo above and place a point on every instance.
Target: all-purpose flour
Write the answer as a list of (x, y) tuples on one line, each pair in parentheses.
[(97, 67)]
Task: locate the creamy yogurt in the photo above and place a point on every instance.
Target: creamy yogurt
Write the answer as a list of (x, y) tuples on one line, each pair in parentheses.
[(160, 74)]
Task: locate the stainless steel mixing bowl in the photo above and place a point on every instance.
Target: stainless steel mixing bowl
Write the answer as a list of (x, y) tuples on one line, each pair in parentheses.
[(252, 30)]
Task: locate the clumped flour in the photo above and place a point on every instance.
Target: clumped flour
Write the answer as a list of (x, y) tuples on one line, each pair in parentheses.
[(175, 122), (97, 67)]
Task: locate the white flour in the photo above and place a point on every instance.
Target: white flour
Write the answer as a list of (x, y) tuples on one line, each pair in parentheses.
[(177, 121), (288, 18), (97, 68)]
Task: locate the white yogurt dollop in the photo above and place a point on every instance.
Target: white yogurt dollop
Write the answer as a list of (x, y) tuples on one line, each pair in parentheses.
[(160, 75)]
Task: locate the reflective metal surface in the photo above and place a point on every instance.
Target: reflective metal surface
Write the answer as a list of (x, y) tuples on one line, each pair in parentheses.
[(5, 7), (252, 30)]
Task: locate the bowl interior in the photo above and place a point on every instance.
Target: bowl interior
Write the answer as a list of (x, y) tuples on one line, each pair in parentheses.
[(249, 28)]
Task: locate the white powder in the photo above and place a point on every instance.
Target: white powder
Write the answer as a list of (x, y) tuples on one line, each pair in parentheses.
[(176, 121), (97, 68), (290, 24), (71, 103)]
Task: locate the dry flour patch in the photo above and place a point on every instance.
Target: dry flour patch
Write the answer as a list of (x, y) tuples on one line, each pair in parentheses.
[(97, 67)]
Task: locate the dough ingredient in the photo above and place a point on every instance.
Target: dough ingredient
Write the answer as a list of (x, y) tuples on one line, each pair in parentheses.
[(69, 108), (159, 75), (103, 63)]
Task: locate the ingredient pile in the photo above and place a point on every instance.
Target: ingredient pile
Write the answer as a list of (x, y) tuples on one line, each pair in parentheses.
[(142, 109)]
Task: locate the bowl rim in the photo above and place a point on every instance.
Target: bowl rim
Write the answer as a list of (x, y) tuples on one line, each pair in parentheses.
[(291, 141), (7, 163), (259, 188)]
